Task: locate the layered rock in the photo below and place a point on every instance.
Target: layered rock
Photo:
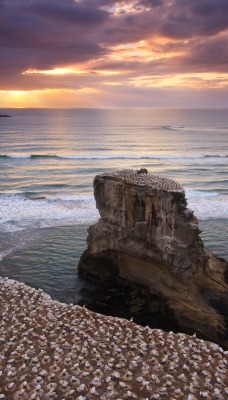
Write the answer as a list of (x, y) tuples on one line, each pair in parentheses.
[(147, 235)]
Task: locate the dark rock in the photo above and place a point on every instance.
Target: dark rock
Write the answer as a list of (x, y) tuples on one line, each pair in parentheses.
[(148, 236)]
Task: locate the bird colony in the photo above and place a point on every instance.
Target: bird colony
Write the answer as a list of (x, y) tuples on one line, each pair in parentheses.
[(133, 177), (51, 350)]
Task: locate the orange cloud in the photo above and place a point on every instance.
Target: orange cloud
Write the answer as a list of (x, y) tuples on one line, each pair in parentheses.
[(81, 53), (191, 81)]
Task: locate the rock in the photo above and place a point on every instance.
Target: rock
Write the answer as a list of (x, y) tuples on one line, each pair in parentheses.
[(148, 236)]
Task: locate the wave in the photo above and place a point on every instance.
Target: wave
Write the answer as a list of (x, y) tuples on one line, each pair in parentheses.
[(115, 157), (215, 156), (19, 213), (193, 194), (15, 156), (174, 127), (207, 205), (195, 129), (86, 199), (28, 156)]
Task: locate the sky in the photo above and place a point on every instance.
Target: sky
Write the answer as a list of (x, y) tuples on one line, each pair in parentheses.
[(102, 53)]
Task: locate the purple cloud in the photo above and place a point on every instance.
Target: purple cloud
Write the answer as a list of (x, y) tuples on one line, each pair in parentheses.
[(67, 11), (40, 34)]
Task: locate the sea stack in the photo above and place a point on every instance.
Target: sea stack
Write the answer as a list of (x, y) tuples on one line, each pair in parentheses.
[(146, 235)]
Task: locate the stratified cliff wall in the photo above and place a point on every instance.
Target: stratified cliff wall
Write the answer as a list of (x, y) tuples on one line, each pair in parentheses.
[(147, 235)]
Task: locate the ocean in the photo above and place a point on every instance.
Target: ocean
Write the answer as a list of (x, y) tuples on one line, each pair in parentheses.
[(49, 157)]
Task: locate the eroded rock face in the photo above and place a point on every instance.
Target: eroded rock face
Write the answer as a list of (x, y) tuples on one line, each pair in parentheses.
[(147, 235)]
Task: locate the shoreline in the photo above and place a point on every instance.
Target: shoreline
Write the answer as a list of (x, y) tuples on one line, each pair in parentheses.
[(51, 350)]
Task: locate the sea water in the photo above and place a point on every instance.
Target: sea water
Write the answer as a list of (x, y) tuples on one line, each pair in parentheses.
[(48, 159)]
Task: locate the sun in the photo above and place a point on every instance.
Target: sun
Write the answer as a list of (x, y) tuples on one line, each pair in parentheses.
[(17, 92), (13, 98), (19, 98)]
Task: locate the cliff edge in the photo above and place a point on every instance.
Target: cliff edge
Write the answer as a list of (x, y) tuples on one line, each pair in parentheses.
[(148, 236)]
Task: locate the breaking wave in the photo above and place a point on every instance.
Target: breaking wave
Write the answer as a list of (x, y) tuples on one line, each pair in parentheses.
[(18, 212), (113, 157), (207, 205), (173, 127)]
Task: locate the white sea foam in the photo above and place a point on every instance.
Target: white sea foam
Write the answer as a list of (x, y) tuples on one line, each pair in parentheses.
[(198, 194), (10, 226), (130, 157), (207, 205), (17, 155), (174, 127), (86, 199), (207, 157), (9, 251), (17, 212)]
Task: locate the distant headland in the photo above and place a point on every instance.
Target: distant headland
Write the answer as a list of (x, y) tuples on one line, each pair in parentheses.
[(4, 115)]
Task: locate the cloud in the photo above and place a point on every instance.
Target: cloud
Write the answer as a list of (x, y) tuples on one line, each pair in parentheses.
[(195, 18), (210, 55), (151, 3), (41, 35), (67, 11), (112, 42)]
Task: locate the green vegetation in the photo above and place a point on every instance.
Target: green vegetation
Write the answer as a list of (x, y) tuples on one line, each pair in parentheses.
[(199, 241)]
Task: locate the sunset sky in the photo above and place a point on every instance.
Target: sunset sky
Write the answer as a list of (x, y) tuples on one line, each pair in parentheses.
[(102, 53)]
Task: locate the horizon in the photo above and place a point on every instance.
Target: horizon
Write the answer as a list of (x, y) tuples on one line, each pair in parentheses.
[(65, 54), (114, 108)]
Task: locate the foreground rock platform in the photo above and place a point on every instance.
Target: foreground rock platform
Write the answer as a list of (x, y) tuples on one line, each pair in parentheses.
[(51, 350), (148, 236)]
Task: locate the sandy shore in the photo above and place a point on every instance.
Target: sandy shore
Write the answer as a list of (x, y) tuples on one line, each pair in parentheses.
[(50, 350)]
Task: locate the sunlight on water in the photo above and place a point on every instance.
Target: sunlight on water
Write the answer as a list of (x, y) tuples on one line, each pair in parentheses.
[(48, 160)]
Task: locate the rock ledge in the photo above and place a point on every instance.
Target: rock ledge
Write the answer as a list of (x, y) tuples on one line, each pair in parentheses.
[(148, 236)]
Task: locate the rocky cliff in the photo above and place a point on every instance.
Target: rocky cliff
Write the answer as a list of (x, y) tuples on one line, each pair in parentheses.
[(147, 235)]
